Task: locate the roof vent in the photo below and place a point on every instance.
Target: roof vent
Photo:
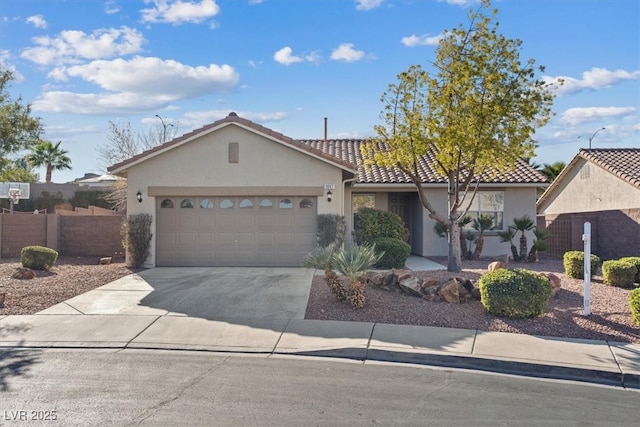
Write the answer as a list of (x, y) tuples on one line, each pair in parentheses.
[(232, 114)]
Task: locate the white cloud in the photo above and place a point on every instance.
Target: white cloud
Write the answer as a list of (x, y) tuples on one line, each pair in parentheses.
[(345, 52), (596, 78), (38, 21), (111, 7), (368, 4), (576, 116), (140, 84), (73, 46), (463, 3), (179, 11), (423, 40), (285, 56), (252, 2)]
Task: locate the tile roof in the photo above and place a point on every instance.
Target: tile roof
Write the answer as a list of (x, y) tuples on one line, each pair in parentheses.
[(621, 162), (345, 153), (348, 150)]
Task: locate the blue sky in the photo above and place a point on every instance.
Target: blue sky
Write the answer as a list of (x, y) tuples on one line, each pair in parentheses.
[(287, 64)]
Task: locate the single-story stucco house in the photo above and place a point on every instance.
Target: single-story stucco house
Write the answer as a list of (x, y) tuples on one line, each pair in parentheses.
[(601, 186), (235, 193)]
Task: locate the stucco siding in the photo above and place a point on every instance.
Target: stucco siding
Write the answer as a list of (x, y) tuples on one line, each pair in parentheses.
[(587, 188)]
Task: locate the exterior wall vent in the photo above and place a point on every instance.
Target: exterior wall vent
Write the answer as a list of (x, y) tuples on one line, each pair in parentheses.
[(234, 152)]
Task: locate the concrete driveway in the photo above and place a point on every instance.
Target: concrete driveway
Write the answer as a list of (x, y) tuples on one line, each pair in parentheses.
[(203, 292)]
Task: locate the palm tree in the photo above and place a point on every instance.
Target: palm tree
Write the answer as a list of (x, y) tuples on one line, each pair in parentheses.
[(507, 236), (354, 263), (322, 259), (523, 224), (49, 155), (551, 171), (539, 244), (481, 224)]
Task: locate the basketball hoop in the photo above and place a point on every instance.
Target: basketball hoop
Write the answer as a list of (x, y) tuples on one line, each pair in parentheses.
[(14, 196)]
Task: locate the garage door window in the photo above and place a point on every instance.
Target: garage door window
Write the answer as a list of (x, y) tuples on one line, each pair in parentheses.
[(266, 203), (246, 203), (225, 204), (206, 204), (186, 204), (306, 204), (286, 204), (166, 204)]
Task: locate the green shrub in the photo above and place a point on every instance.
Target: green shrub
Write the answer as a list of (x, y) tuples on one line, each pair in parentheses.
[(137, 238), (371, 224), (635, 260), (514, 293), (395, 251), (331, 230), (634, 305), (619, 273), (38, 257), (573, 262)]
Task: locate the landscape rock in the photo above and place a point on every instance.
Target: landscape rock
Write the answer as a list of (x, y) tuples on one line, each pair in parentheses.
[(375, 278), (556, 283), (450, 292), (411, 286), (23, 274)]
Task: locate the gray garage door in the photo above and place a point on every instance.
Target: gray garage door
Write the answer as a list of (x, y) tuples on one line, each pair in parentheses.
[(235, 231)]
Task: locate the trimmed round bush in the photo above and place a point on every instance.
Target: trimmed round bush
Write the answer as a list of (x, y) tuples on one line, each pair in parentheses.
[(514, 292), (38, 257), (635, 260), (371, 224), (619, 273), (395, 251), (634, 305), (573, 262)]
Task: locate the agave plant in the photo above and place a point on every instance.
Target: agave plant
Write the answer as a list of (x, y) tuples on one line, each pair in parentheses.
[(354, 263), (322, 259)]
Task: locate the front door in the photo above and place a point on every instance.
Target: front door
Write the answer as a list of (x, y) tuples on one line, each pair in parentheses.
[(399, 204)]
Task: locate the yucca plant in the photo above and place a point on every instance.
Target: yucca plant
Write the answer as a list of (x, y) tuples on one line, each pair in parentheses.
[(354, 263), (322, 259)]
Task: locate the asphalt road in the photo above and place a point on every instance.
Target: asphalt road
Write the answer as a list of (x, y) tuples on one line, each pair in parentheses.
[(138, 387)]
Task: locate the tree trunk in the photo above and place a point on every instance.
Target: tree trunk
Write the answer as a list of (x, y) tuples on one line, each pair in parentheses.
[(514, 252), (454, 261), (48, 176), (463, 244), (479, 246), (523, 247)]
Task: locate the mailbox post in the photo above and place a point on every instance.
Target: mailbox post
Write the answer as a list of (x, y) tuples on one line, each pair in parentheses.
[(586, 237)]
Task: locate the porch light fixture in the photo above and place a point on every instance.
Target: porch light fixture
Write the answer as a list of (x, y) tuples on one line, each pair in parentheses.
[(329, 195), (139, 196)]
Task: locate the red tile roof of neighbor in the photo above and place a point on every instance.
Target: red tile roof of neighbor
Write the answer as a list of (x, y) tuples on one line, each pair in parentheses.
[(621, 162), (346, 153)]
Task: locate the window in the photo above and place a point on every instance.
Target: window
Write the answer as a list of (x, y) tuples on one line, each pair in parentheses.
[(488, 203), (166, 204), (225, 204), (306, 203), (186, 204), (286, 204), (359, 201), (206, 204), (266, 203), (246, 203)]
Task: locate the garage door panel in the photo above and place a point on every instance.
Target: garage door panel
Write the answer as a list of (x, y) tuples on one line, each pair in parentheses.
[(236, 231)]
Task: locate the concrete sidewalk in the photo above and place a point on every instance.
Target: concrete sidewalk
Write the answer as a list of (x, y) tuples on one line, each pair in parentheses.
[(600, 362)]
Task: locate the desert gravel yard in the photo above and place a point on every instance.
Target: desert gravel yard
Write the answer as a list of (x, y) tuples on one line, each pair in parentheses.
[(610, 319)]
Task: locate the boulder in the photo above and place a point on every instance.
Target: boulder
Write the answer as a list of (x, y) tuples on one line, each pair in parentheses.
[(375, 278), (428, 283), (411, 286), (450, 292), (390, 283), (431, 294), (23, 273), (104, 261), (556, 283)]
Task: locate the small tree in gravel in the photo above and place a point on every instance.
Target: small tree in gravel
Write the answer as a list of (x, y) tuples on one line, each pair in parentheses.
[(322, 259), (137, 238)]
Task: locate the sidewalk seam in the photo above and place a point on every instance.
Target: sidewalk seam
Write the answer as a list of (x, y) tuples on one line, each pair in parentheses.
[(273, 351), (140, 333)]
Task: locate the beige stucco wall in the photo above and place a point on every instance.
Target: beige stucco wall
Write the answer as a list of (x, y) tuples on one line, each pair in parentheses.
[(204, 162), (588, 188), (518, 201)]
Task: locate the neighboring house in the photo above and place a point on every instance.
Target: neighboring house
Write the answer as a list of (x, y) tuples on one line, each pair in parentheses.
[(106, 181), (235, 193), (601, 186)]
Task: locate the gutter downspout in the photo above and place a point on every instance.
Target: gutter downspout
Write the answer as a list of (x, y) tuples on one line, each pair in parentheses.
[(342, 200)]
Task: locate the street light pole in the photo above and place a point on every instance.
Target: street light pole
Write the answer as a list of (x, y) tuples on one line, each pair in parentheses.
[(164, 128), (593, 136)]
